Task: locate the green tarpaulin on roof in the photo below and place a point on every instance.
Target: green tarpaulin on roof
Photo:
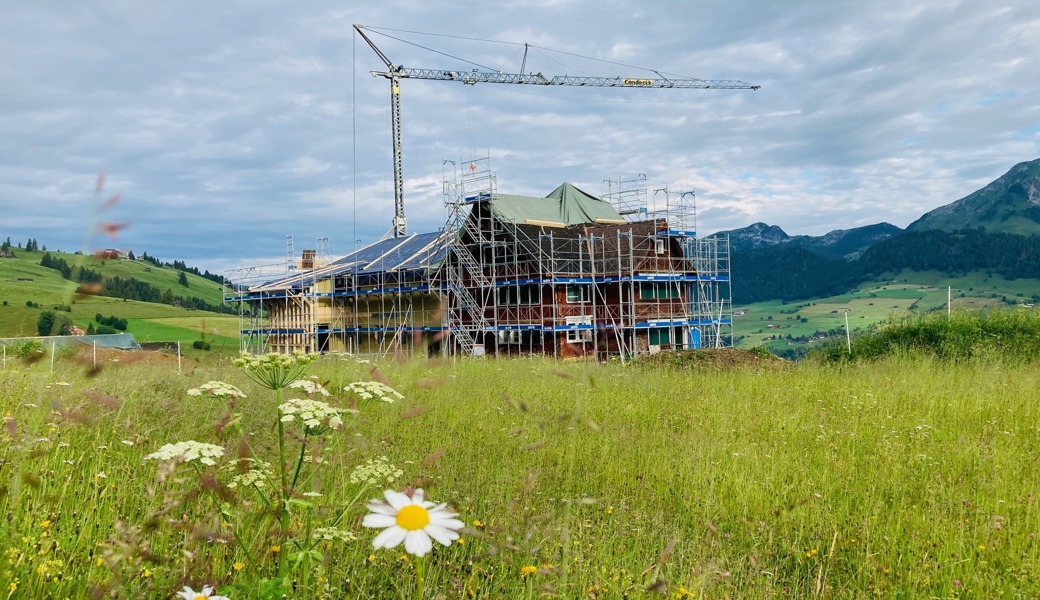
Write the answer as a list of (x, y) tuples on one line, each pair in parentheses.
[(566, 205)]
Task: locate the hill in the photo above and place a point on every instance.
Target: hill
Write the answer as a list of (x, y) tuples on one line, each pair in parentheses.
[(837, 244), (28, 288), (1011, 204)]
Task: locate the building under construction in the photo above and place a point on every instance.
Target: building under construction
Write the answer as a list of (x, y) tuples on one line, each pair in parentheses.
[(567, 275)]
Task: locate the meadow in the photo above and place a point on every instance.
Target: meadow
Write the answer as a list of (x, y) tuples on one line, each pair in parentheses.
[(791, 328), (906, 477)]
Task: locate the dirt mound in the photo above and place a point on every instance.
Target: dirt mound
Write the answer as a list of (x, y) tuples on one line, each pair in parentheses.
[(713, 358)]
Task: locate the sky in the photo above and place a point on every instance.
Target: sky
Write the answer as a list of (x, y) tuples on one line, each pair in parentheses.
[(210, 132)]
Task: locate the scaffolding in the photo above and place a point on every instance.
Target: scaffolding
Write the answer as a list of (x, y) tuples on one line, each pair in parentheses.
[(506, 277), (625, 288)]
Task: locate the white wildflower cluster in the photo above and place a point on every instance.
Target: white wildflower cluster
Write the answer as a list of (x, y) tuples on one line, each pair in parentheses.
[(187, 452), (275, 371), (272, 359), (217, 389), (315, 415), (373, 390), (250, 472), (332, 534), (309, 386), (376, 471)]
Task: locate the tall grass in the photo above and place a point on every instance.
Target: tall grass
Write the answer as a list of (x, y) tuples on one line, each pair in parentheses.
[(1006, 335), (906, 477)]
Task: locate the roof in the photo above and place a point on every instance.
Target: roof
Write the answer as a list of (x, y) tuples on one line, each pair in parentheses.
[(566, 205), (415, 252)]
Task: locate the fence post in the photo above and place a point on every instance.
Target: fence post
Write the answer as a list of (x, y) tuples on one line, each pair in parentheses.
[(52, 357), (178, 357), (95, 354)]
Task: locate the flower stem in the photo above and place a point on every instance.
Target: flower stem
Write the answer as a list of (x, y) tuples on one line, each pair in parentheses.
[(420, 576), (283, 515), (299, 460)]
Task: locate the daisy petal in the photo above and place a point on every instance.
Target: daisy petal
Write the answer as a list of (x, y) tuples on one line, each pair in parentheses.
[(379, 520), (381, 508), (396, 499), (441, 534), (454, 524), (389, 537), (417, 542)]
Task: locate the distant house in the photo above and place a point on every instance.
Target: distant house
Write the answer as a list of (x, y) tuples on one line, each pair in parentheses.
[(565, 275), (112, 253)]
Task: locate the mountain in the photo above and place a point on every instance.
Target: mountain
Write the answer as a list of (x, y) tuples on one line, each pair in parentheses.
[(838, 244), (1011, 204), (995, 230)]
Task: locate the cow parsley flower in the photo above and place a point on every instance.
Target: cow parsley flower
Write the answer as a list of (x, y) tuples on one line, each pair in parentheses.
[(412, 520), (311, 388), (217, 389), (332, 534), (250, 472), (316, 416), (187, 452), (275, 371), (376, 471), (373, 390)]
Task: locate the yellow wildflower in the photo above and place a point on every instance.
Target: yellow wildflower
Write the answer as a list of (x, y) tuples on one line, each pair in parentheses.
[(275, 549), (528, 570), (238, 566), (45, 523)]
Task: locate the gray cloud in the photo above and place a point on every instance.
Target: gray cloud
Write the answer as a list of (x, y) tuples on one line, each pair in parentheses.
[(227, 126)]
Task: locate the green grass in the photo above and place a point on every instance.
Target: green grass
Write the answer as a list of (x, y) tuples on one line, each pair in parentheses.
[(48, 289), (908, 477), (896, 296)]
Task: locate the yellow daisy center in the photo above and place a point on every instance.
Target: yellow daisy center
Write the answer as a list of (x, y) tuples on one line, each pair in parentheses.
[(413, 517)]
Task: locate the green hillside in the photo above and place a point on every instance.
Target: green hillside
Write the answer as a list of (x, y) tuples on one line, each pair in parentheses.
[(1010, 204), (789, 328), (27, 289)]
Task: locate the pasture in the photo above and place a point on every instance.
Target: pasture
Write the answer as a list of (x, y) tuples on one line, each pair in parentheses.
[(907, 477)]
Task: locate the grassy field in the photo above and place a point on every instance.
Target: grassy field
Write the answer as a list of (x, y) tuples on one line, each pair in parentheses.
[(901, 478), (789, 328), (23, 280)]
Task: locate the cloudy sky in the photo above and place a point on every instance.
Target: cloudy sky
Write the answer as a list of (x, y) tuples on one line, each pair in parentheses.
[(227, 126)]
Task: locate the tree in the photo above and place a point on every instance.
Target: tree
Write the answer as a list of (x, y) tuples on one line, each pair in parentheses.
[(182, 279), (130, 255), (45, 324), (51, 324)]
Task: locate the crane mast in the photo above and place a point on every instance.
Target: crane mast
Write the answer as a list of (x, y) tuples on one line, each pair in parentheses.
[(395, 73)]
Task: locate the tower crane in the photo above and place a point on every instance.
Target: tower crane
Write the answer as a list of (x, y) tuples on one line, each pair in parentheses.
[(395, 73)]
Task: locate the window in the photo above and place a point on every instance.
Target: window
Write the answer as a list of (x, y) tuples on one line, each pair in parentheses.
[(658, 290), (660, 336), (523, 295), (527, 337), (579, 336), (659, 246), (577, 293)]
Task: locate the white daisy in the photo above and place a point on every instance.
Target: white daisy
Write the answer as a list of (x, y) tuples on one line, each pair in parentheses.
[(206, 593), (412, 520)]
